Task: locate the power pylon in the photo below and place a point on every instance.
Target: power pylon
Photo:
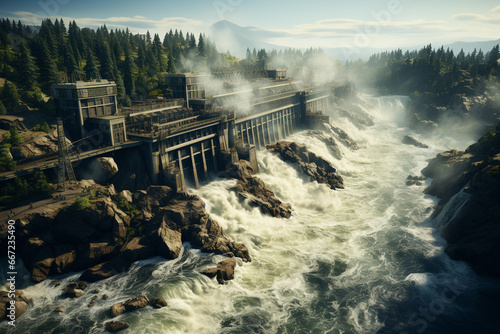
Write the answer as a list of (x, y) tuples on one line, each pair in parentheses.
[(63, 164)]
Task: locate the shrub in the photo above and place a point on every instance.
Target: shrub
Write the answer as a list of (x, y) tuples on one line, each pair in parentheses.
[(45, 127), (82, 203), (6, 161)]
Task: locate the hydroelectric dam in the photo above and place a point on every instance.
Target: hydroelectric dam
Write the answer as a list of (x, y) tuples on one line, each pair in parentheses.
[(195, 133)]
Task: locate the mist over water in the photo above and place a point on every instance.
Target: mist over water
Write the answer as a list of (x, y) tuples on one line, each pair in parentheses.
[(366, 259)]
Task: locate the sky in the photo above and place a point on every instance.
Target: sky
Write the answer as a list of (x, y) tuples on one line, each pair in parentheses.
[(293, 23)]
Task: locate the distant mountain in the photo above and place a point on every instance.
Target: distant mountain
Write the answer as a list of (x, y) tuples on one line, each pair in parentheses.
[(470, 46), (236, 39)]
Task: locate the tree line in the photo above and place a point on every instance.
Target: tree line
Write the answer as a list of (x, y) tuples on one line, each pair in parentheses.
[(33, 58), (427, 70)]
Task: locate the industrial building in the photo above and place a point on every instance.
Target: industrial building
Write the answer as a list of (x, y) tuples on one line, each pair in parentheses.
[(186, 139)]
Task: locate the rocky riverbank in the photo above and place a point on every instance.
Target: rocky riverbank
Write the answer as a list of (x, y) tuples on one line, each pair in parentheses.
[(473, 234), (105, 235), (469, 106)]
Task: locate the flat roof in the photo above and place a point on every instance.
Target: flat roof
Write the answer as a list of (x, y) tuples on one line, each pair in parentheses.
[(84, 84), (108, 117)]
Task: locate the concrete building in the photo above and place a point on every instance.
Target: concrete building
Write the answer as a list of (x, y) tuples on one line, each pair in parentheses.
[(87, 106), (277, 74), (186, 85)]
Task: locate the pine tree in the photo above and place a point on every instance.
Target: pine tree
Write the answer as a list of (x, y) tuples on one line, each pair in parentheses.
[(69, 62), (202, 51), (48, 67), (10, 96), (3, 110), (90, 68), (27, 69), (249, 55), (107, 66), (192, 42), (171, 63), (130, 75)]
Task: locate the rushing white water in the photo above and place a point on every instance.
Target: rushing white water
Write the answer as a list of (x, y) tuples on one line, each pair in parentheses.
[(365, 259)]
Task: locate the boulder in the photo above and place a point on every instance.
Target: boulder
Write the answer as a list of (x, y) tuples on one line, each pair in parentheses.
[(129, 305), (409, 140), (135, 303), (101, 170), (127, 195), (21, 304), (158, 302), (169, 242), (75, 289), (60, 309), (115, 326), (93, 301), (224, 271), (117, 309)]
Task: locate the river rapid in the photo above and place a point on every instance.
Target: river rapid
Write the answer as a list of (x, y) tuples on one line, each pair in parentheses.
[(366, 259)]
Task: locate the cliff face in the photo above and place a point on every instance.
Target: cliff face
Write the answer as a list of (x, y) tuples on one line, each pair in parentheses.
[(474, 234)]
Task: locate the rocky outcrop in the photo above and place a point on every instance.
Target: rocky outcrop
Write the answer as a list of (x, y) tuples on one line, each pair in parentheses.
[(450, 172), (224, 271), (12, 122), (254, 190), (415, 180), (460, 106), (317, 168), (329, 141), (341, 136), (39, 145), (473, 233), (70, 239), (355, 114), (11, 311), (409, 140), (103, 240)]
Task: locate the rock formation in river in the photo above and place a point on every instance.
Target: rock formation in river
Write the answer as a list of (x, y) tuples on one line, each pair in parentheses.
[(253, 189), (409, 140), (312, 165), (473, 234), (98, 236), (329, 141)]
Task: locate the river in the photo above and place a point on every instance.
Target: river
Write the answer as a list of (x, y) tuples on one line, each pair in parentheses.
[(366, 259)]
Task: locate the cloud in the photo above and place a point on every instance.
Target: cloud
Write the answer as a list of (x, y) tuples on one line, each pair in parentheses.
[(478, 18), (495, 9), (136, 23), (346, 27)]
